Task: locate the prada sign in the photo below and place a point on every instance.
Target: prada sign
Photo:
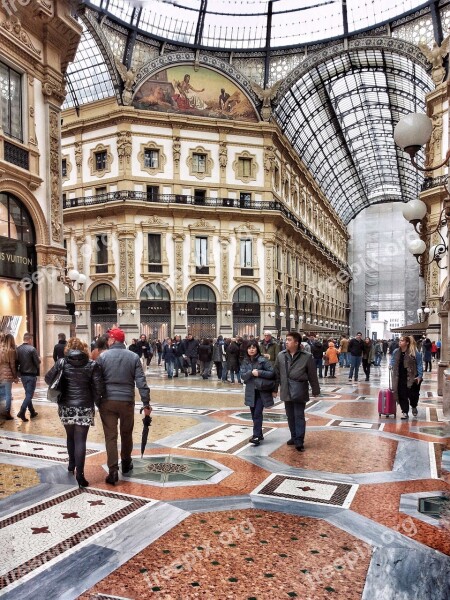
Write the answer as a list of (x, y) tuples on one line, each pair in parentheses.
[(17, 259)]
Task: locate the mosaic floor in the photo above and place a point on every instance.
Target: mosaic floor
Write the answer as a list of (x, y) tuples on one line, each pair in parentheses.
[(205, 514)]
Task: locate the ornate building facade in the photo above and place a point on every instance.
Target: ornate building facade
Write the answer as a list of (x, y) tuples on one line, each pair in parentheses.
[(191, 223), (36, 44)]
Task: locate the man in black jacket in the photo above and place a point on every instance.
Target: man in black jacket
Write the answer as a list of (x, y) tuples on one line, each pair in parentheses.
[(191, 352), (28, 361), (122, 372), (317, 350), (58, 350), (180, 353), (355, 349)]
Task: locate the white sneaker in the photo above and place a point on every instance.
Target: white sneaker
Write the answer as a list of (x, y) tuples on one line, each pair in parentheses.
[(404, 416)]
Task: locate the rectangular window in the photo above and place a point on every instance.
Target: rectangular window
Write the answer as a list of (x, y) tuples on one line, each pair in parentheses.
[(288, 264), (244, 167), (151, 158), (100, 160), (154, 249), (199, 197), (101, 242), (199, 163), (11, 102), (279, 259), (245, 200), (101, 191), (152, 193), (201, 255), (64, 167), (246, 253)]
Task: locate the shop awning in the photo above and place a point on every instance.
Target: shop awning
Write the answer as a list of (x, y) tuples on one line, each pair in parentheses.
[(413, 329)]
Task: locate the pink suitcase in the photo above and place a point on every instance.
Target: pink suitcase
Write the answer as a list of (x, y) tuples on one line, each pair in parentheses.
[(386, 403)]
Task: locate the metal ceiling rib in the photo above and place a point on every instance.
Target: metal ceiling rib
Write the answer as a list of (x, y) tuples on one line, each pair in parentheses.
[(340, 117)]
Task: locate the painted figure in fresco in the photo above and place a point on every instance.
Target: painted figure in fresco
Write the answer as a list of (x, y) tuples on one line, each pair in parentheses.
[(158, 97), (186, 97), (223, 99)]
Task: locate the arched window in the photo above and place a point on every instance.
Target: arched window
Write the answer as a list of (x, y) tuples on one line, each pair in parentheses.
[(154, 291), (15, 222), (201, 293), (246, 294), (103, 293)]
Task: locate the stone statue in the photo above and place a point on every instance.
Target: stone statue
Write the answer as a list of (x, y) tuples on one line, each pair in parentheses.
[(223, 155), (266, 95), (436, 56), (128, 79), (434, 145)]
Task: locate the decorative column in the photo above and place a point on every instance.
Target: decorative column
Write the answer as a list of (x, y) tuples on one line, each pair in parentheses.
[(180, 312), (226, 312), (127, 279), (269, 279)]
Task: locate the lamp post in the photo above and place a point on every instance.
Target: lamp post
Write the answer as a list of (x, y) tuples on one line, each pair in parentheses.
[(411, 133)]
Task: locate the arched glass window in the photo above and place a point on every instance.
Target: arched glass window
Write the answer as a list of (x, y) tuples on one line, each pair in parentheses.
[(15, 222), (154, 291), (246, 294), (201, 293), (103, 293)]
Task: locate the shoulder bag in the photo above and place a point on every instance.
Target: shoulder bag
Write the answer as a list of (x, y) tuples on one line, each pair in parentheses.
[(54, 389)]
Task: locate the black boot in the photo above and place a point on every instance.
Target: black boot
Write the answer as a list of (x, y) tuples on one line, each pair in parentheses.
[(82, 483), (21, 415)]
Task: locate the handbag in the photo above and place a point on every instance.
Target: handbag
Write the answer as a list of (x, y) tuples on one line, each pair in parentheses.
[(54, 389), (265, 385)]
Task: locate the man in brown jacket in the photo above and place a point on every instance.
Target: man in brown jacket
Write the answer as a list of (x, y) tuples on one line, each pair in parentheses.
[(343, 352), (294, 370)]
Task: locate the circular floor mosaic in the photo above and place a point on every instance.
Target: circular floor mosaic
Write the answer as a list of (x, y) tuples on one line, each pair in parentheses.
[(176, 470)]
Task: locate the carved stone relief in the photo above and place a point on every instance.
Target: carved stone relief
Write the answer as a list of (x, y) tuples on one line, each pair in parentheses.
[(55, 198)]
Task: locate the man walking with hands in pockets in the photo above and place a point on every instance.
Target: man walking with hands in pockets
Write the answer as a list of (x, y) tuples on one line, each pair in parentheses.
[(295, 370)]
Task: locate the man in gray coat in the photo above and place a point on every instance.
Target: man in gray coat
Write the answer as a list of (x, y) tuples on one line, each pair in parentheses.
[(294, 370), (122, 371)]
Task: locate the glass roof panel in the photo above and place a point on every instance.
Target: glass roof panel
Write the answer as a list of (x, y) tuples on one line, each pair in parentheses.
[(343, 114), (88, 78), (242, 24), (366, 13)]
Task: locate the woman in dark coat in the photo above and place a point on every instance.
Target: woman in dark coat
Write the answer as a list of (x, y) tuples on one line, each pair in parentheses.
[(258, 375), (426, 349), (82, 387)]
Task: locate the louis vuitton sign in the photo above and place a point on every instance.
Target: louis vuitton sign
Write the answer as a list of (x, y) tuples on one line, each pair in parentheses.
[(17, 260)]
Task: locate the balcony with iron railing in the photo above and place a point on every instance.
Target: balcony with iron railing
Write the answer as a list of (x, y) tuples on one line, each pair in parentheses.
[(223, 203)]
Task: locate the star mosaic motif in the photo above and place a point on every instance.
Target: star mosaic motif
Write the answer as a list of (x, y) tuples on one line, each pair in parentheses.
[(40, 530), (96, 502), (73, 515), (306, 489)]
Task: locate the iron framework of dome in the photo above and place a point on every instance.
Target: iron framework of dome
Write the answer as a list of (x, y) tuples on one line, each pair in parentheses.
[(339, 114)]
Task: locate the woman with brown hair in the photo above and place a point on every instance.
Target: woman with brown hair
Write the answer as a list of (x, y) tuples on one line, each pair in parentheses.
[(407, 371), (8, 369), (81, 387)]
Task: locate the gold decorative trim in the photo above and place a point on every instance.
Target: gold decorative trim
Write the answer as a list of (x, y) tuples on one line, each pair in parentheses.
[(208, 162), (14, 27), (91, 162), (245, 155), (162, 159)]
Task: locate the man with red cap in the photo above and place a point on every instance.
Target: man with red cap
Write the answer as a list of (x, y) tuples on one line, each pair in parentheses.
[(122, 371)]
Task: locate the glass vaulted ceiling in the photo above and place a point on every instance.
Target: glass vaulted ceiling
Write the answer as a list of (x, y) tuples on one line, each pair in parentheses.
[(340, 118), (246, 24)]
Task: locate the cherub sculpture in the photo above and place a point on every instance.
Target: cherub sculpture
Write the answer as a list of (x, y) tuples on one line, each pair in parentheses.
[(436, 56), (266, 95), (128, 78)]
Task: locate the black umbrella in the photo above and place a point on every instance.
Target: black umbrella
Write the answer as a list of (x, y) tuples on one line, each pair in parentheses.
[(147, 421)]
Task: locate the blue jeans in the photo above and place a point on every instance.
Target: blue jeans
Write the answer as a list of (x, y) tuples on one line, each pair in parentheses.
[(7, 386), (295, 412), (355, 363), (169, 368), (319, 363), (29, 385), (344, 359), (238, 375), (257, 415), (377, 362)]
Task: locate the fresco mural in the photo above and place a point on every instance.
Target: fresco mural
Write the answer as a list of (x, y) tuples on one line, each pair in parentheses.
[(204, 93)]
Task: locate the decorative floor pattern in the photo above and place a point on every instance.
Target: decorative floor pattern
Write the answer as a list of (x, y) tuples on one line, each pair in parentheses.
[(37, 449), (33, 537), (356, 425), (14, 479), (228, 439), (244, 554), (175, 410), (301, 489)]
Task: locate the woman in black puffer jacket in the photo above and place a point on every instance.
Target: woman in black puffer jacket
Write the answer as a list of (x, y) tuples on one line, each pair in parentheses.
[(258, 375), (81, 388)]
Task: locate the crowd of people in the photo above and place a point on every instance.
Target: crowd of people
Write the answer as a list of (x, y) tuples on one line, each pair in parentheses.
[(106, 375)]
